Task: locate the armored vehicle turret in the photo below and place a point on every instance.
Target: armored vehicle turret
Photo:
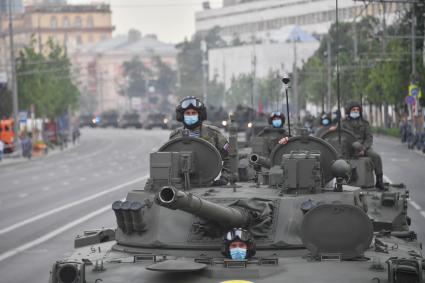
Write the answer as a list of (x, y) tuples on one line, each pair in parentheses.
[(308, 224)]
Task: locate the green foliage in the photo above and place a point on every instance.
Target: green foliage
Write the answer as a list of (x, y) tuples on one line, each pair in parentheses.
[(215, 93), (270, 90), (240, 91), (365, 69), (189, 62), (166, 77), (136, 74), (44, 80), (392, 132)]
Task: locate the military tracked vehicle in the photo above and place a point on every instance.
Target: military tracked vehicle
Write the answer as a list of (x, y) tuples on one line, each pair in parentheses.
[(310, 221)]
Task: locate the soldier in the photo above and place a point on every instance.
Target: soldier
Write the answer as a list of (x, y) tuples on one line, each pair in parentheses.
[(192, 112), (238, 244), (355, 123), (276, 121)]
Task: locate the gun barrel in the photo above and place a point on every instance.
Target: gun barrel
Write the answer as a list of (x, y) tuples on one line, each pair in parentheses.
[(256, 159), (227, 217)]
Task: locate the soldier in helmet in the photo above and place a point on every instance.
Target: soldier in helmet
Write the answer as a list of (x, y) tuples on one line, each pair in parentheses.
[(238, 244), (276, 120), (355, 123), (192, 112)]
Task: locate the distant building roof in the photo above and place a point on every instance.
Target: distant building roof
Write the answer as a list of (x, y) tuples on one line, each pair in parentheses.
[(146, 45), (292, 33)]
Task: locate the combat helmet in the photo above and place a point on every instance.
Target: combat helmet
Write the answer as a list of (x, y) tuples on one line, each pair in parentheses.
[(191, 102)]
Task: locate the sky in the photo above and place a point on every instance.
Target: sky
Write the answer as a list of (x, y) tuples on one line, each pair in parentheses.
[(170, 20)]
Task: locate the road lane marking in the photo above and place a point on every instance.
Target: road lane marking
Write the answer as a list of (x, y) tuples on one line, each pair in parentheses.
[(46, 189), (412, 203), (23, 195), (415, 205), (69, 205), (52, 234)]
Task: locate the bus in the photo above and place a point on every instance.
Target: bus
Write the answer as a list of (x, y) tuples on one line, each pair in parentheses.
[(7, 135)]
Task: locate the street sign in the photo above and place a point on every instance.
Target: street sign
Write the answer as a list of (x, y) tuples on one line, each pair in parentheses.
[(415, 91), (23, 116)]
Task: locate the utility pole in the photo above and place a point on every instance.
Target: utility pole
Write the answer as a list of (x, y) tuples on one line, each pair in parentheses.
[(413, 34), (224, 83), (329, 81), (13, 71), (254, 74), (295, 84), (204, 71)]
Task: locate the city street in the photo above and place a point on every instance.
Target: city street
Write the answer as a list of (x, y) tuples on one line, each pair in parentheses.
[(46, 202)]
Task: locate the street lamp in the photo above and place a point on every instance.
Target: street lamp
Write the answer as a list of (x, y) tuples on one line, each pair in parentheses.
[(204, 70)]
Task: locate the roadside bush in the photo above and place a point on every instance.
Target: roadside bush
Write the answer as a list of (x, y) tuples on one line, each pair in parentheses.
[(393, 132)]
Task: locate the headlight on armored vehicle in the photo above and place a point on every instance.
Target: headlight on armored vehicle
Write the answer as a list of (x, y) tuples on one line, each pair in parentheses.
[(68, 273), (165, 120), (224, 123), (249, 125)]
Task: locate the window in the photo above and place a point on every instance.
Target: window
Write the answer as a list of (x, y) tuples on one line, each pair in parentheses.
[(65, 22), (53, 22), (90, 38), (90, 22), (78, 22), (78, 39)]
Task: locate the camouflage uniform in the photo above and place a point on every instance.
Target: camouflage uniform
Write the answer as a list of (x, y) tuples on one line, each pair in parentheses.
[(273, 139), (361, 130), (213, 135)]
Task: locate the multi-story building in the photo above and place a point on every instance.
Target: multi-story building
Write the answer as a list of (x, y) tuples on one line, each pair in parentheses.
[(68, 25), (99, 68), (255, 18)]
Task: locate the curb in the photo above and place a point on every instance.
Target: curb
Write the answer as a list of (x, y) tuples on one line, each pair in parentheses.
[(18, 159)]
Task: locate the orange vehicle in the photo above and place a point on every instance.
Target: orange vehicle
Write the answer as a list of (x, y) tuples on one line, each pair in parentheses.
[(7, 134)]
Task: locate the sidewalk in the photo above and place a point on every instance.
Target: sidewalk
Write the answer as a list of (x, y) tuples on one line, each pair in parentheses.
[(16, 156)]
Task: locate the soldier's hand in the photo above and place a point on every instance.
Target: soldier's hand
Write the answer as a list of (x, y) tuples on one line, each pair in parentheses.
[(284, 140), (333, 128)]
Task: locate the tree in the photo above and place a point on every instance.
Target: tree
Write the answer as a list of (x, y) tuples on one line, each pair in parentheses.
[(136, 75), (45, 81), (240, 91), (166, 77), (270, 90), (189, 61)]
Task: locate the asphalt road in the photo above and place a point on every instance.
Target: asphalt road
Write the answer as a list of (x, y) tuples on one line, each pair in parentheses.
[(45, 203), (402, 165)]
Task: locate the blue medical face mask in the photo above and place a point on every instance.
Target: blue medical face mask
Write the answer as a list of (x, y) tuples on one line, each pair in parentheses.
[(238, 253), (190, 119), (277, 123), (354, 115), (325, 122)]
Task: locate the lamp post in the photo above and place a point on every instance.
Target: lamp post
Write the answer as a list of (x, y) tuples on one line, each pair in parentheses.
[(204, 70), (14, 85)]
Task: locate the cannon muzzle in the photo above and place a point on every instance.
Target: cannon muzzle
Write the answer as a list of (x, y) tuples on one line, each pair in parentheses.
[(257, 160), (227, 217)]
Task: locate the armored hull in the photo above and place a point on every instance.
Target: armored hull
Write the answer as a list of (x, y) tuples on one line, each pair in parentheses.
[(308, 224)]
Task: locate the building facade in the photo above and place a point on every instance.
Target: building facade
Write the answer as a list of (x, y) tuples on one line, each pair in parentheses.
[(67, 25), (99, 69), (256, 18)]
